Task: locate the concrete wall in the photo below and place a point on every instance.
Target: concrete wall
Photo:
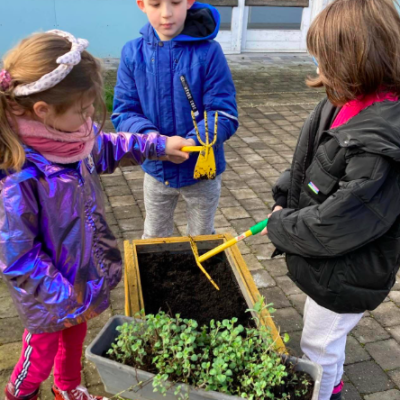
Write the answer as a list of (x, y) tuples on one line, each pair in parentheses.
[(107, 24)]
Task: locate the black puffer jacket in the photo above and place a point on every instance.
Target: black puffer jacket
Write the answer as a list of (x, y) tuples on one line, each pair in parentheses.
[(342, 245)]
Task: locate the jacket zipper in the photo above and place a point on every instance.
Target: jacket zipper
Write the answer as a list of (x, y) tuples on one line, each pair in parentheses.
[(172, 98)]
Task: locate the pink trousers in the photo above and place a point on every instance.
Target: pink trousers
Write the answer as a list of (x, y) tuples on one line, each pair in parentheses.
[(40, 352)]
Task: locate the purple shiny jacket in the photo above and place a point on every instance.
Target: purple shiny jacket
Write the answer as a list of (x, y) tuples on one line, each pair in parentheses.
[(57, 253)]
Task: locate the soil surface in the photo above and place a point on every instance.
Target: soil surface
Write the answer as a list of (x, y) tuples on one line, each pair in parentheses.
[(172, 282)]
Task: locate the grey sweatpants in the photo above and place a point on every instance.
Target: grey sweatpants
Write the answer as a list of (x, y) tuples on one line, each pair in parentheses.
[(161, 200)]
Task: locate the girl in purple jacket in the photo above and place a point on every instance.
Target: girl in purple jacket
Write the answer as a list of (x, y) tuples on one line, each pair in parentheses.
[(57, 253)]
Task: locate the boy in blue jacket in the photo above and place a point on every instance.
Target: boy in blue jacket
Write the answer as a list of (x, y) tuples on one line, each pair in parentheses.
[(176, 58)]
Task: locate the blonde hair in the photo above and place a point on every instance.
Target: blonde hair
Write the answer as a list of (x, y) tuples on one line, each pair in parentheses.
[(32, 58), (356, 44)]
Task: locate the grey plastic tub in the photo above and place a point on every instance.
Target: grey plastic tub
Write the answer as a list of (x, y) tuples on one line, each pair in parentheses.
[(119, 378)]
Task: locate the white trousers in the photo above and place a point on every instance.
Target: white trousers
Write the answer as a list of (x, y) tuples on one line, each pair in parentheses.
[(324, 341)]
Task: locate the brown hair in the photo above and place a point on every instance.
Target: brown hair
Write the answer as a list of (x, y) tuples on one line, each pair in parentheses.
[(32, 58), (356, 44)]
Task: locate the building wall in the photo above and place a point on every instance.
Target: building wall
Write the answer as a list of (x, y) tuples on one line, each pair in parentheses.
[(107, 24)]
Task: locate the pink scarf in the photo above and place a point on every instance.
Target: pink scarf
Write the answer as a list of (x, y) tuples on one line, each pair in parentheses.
[(56, 146), (352, 108)]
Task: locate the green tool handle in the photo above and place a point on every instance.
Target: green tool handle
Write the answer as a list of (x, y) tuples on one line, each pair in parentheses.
[(257, 228)]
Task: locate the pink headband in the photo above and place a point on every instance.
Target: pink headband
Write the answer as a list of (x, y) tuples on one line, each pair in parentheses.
[(5, 80)]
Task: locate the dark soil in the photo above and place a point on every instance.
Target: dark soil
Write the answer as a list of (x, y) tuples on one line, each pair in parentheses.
[(172, 282)]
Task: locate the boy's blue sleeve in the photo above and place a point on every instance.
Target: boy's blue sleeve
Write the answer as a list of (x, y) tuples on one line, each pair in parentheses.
[(219, 95), (128, 114)]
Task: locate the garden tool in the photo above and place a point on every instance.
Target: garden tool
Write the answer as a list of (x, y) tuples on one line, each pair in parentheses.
[(199, 259), (205, 166)]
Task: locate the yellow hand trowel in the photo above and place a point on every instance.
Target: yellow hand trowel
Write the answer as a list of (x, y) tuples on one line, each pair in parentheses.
[(199, 259), (205, 166)]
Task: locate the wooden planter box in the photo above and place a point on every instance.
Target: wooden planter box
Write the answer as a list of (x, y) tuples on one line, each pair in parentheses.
[(133, 287)]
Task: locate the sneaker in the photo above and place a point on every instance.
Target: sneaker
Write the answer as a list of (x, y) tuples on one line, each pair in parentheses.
[(9, 391), (337, 392), (79, 393)]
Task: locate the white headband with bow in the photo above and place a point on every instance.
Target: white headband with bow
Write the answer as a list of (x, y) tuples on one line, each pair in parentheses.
[(67, 62)]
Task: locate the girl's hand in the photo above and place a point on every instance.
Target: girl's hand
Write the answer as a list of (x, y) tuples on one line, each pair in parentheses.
[(265, 230), (173, 149)]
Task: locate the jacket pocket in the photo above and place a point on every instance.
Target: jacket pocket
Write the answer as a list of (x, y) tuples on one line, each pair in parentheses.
[(319, 183)]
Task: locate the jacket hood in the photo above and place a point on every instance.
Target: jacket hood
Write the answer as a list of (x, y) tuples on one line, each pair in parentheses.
[(375, 130), (202, 23)]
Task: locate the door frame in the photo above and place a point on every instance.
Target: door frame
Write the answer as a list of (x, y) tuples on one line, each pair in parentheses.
[(240, 39)]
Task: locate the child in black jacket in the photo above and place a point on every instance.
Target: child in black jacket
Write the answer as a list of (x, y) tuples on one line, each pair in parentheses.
[(337, 212)]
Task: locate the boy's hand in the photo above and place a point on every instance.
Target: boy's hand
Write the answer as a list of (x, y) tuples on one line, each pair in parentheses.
[(173, 149), (265, 230)]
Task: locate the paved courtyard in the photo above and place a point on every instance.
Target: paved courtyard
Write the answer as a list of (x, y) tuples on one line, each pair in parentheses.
[(273, 103)]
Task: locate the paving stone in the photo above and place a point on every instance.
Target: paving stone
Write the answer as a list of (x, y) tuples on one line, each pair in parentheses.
[(118, 201), (110, 180), (386, 353), (126, 212), (118, 298), (242, 225), (235, 213), (395, 296), (257, 239), (220, 221), (252, 263), (287, 285), (9, 355), (368, 330), (130, 175), (387, 314), (395, 376), (101, 320), (132, 235), (275, 296), (7, 308), (11, 330), (118, 190), (241, 194), (355, 352), (236, 184), (253, 204), (228, 201), (349, 392), (298, 301), (131, 224), (4, 292), (368, 377), (259, 215), (275, 266), (288, 319), (393, 394), (263, 251), (263, 279)]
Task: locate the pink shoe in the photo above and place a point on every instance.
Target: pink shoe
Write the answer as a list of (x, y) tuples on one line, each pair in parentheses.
[(337, 391), (10, 393)]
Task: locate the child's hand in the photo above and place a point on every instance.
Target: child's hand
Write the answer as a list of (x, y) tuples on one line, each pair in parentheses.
[(265, 230), (173, 149)]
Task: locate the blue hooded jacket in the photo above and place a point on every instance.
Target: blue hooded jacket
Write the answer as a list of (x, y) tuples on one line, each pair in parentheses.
[(149, 95)]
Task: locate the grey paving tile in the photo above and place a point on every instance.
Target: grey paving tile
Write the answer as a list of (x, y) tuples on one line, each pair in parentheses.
[(288, 319), (355, 352), (368, 377), (387, 314), (368, 330), (386, 353)]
